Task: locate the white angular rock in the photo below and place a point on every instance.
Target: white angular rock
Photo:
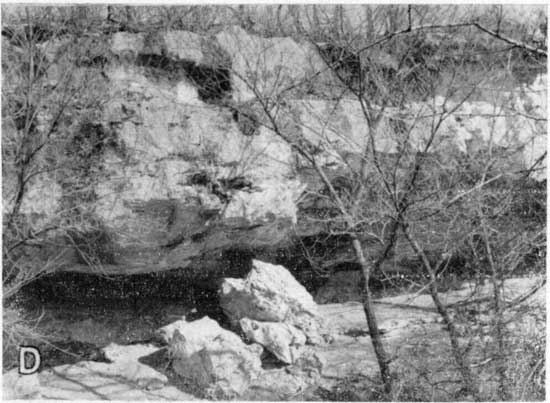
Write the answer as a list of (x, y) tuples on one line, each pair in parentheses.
[(271, 294), (197, 333), (332, 126), (125, 364), (41, 199), (213, 358), (187, 93), (272, 199), (269, 64), (122, 354), (281, 339), (183, 45), (125, 42)]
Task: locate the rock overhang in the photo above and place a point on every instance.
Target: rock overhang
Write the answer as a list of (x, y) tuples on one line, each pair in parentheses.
[(158, 218)]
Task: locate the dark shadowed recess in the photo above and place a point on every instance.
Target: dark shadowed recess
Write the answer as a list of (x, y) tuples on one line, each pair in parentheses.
[(39, 33), (193, 286), (213, 83)]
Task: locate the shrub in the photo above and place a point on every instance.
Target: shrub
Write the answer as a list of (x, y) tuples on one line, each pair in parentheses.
[(17, 330), (526, 368)]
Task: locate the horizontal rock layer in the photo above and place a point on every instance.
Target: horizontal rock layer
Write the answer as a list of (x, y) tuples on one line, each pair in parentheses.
[(187, 175)]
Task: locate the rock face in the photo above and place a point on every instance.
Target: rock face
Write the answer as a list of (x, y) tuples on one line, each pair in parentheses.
[(272, 309), (213, 358), (181, 193), (179, 178), (272, 64)]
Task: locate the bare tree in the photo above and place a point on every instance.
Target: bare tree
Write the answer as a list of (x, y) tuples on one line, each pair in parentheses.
[(408, 84), (51, 75)]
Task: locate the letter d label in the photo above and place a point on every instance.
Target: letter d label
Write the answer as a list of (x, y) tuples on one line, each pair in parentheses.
[(24, 351)]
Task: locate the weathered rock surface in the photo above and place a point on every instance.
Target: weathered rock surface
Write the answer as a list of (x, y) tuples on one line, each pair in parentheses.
[(125, 378), (180, 180), (340, 126), (186, 155), (281, 339), (264, 65), (213, 358), (273, 309), (124, 360)]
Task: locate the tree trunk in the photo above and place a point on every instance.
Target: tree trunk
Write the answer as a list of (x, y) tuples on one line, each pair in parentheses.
[(374, 331), (454, 335), (497, 281)]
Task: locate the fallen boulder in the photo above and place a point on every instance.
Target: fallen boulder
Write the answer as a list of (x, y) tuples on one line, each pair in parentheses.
[(272, 309), (214, 359)]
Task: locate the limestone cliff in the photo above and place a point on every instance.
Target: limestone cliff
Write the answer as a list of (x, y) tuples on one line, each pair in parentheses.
[(187, 175)]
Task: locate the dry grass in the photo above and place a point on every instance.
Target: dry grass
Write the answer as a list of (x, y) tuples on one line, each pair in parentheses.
[(424, 371), (526, 368)]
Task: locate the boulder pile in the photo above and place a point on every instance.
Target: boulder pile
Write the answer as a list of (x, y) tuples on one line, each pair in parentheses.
[(271, 308)]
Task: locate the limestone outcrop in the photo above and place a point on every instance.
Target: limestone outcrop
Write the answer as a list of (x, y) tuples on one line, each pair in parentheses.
[(180, 175), (263, 66)]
